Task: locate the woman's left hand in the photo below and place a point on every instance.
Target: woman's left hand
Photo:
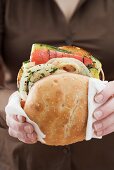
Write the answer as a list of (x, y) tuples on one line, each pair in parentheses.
[(104, 115)]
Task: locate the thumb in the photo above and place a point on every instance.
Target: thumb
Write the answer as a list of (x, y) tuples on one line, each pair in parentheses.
[(106, 93)]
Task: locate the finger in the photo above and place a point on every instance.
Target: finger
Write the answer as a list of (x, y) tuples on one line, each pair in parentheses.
[(21, 119), (104, 110), (106, 93), (32, 136), (17, 126), (106, 131), (27, 138), (28, 141), (17, 117), (104, 123)]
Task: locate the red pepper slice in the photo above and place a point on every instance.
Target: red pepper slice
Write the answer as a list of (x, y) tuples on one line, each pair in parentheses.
[(87, 61), (41, 56)]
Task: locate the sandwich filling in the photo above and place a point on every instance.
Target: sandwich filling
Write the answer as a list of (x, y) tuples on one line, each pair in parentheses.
[(31, 73), (46, 60)]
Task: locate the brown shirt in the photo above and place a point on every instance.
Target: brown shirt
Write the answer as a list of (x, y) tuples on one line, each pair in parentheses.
[(24, 22)]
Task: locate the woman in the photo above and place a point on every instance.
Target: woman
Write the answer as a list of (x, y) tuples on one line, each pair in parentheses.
[(90, 26)]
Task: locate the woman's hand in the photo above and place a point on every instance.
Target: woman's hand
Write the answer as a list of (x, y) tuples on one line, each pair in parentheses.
[(105, 113), (19, 128)]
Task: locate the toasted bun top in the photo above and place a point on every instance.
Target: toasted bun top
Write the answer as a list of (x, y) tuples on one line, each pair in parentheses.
[(59, 105)]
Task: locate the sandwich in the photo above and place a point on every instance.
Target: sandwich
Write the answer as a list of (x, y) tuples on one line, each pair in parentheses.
[(53, 86)]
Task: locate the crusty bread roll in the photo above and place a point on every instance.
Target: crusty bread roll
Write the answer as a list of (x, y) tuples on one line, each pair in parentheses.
[(59, 105)]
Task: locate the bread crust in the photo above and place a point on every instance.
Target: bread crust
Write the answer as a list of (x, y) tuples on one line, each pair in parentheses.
[(59, 105)]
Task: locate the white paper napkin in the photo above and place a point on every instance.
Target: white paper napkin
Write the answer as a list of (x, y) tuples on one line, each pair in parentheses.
[(14, 107), (95, 86)]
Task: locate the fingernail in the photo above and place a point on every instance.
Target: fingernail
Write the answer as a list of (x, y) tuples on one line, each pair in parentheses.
[(98, 114), (99, 98), (98, 126), (28, 129)]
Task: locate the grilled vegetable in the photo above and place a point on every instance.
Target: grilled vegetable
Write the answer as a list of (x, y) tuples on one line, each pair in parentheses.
[(31, 74), (40, 54), (91, 62), (46, 60), (94, 72)]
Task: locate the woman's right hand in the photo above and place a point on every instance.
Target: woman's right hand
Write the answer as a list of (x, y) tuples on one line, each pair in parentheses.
[(19, 128)]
